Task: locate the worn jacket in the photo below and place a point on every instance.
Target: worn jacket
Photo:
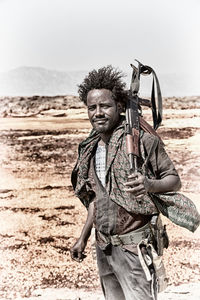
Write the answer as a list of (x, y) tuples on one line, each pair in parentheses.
[(175, 206)]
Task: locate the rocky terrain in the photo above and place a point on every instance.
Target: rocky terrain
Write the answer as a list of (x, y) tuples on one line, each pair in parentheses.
[(40, 217)]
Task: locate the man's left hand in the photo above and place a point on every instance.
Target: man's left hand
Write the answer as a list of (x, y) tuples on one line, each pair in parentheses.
[(136, 185)]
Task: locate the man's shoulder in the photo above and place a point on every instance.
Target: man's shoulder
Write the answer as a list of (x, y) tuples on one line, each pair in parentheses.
[(148, 138)]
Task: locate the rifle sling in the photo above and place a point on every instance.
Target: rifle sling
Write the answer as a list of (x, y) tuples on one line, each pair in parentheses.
[(156, 112)]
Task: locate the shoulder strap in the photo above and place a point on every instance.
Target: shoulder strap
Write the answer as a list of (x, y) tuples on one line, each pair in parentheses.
[(152, 149), (156, 96)]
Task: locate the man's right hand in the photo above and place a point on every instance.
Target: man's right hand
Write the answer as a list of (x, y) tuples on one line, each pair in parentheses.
[(77, 251)]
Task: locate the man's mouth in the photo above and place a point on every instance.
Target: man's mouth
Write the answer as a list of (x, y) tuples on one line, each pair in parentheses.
[(100, 121)]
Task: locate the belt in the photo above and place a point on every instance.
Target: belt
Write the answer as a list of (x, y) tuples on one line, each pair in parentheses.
[(133, 237)]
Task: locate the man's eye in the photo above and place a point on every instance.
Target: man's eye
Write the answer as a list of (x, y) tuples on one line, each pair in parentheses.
[(91, 108)]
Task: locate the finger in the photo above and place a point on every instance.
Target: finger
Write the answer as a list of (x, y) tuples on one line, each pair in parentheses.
[(136, 190), (74, 256), (137, 181), (77, 259), (140, 194), (134, 182), (139, 198), (132, 176), (73, 253), (81, 256), (135, 174)]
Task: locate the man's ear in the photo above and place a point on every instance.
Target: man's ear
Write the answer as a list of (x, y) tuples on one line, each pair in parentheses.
[(120, 107)]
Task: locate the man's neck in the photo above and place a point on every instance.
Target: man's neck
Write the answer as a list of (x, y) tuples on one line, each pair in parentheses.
[(104, 139)]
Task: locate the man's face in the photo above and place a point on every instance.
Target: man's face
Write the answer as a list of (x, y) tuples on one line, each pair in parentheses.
[(103, 110)]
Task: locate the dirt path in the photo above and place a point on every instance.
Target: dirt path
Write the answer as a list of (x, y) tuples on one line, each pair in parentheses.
[(40, 218), (190, 291)]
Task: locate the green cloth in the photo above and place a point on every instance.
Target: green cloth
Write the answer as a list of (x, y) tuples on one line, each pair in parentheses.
[(175, 206)]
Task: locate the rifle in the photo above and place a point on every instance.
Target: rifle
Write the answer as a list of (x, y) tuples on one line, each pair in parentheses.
[(133, 111), (133, 122)]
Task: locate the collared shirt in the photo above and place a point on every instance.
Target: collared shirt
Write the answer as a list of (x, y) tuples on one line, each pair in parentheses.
[(100, 163)]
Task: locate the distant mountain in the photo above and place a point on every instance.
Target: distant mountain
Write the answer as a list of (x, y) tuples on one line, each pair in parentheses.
[(29, 81)]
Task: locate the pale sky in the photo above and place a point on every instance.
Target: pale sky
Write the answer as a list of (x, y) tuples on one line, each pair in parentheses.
[(85, 34)]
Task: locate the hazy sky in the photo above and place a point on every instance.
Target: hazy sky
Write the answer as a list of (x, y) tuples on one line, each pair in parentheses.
[(84, 34)]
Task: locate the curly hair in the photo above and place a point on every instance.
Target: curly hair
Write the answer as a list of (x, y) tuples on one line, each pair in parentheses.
[(104, 78)]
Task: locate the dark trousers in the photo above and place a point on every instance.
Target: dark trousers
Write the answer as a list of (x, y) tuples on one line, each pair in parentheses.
[(122, 276)]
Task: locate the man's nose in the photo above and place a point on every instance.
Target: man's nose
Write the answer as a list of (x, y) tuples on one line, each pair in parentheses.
[(99, 111)]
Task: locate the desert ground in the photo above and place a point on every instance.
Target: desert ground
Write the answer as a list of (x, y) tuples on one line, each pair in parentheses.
[(41, 218)]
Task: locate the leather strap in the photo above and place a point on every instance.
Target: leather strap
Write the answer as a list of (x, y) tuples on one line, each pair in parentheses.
[(156, 96)]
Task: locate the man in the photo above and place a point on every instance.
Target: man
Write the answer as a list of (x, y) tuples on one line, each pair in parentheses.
[(118, 203)]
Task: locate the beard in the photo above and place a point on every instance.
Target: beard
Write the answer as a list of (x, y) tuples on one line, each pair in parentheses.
[(106, 127)]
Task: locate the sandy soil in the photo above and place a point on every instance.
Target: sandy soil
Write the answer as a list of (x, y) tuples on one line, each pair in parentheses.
[(40, 217)]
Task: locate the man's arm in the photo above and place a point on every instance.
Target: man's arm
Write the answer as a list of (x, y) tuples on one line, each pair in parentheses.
[(167, 181), (78, 248), (139, 185), (170, 183)]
